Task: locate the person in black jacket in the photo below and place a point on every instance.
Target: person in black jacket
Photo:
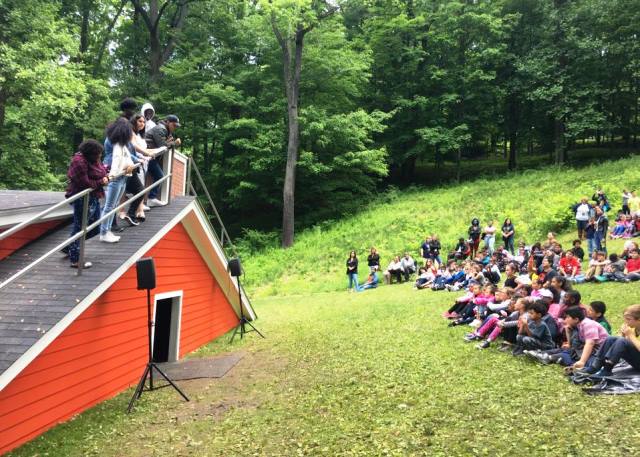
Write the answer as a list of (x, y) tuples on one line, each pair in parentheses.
[(159, 136), (474, 236), (352, 271), (373, 260)]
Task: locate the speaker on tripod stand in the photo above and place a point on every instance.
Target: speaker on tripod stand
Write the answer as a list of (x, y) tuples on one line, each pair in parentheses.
[(235, 269), (146, 273)]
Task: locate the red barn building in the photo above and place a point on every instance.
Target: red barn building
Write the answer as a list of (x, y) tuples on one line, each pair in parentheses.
[(68, 342)]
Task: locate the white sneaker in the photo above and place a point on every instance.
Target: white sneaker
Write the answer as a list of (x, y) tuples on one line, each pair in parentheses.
[(109, 237), (145, 207), (155, 202)]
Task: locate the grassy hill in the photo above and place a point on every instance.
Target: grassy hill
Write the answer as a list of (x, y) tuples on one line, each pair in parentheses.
[(537, 201)]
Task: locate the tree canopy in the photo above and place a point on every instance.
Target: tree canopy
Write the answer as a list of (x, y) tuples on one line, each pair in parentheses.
[(382, 87)]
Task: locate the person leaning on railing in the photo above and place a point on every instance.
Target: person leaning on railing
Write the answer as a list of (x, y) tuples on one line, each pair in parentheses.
[(159, 136), (119, 134), (85, 171)]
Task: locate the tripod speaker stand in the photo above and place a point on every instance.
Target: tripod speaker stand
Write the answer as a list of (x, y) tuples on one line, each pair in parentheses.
[(146, 271), (235, 269)]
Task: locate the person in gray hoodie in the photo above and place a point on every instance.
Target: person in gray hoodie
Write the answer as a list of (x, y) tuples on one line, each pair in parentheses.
[(149, 113)]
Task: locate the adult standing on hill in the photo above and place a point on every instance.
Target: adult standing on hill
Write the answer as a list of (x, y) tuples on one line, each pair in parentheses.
[(583, 213), (601, 226), (352, 271), (474, 236), (373, 259), (425, 249), (490, 237), (634, 204), (508, 235)]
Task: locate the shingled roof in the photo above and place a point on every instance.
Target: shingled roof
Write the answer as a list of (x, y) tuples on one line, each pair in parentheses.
[(33, 304)]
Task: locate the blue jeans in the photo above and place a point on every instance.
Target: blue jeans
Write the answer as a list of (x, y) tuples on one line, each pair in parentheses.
[(597, 239), (155, 170), (591, 246), (508, 244), (93, 215), (353, 281), (114, 192), (615, 348), (490, 242)]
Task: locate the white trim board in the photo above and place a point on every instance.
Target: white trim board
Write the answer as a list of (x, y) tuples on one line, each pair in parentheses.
[(25, 359), (219, 268), (176, 297)]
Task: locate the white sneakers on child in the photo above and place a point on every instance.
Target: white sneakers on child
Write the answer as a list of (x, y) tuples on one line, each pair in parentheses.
[(109, 237)]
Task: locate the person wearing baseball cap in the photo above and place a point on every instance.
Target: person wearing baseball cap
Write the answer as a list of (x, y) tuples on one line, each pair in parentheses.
[(160, 136)]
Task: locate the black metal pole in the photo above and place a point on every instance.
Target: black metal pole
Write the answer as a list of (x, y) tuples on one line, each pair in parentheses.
[(149, 330)]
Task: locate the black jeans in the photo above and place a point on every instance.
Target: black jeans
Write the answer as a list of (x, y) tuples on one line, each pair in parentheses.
[(133, 187), (615, 348)]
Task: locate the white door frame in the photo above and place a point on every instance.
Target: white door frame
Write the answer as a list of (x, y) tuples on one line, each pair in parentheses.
[(176, 321)]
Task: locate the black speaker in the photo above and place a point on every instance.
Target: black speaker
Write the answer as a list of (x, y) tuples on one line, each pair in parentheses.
[(146, 270), (234, 267)]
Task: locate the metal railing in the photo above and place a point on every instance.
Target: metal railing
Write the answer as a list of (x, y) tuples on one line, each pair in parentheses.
[(85, 229), (223, 234)]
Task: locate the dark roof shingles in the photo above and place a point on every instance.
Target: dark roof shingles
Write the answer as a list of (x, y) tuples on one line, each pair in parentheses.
[(35, 302)]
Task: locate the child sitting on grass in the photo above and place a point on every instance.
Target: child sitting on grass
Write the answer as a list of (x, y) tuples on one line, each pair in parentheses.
[(477, 308), (534, 333), (615, 348), (493, 326), (583, 337), (595, 311), (461, 302)]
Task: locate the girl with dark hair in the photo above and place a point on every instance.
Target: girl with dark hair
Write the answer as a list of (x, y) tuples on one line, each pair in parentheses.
[(134, 185), (508, 235), (119, 134), (474, 236), (352, 271), (85, 171)]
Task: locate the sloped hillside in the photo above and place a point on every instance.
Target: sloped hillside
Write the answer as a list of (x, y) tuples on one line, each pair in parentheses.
[(537, 201)]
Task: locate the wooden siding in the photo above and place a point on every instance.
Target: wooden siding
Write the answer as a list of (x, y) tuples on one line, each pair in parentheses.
[(24, 236), (178, 176), (104, 351)]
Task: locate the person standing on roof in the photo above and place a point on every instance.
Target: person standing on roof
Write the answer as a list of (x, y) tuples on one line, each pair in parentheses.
[(119, 134), (159, 136), (85, 171), (149, 113)]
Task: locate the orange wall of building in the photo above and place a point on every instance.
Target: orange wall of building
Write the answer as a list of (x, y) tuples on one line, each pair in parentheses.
[(24, 236), (104, 351)]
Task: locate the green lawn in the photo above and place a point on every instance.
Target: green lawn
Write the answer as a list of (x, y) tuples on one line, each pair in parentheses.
[(373, 373)]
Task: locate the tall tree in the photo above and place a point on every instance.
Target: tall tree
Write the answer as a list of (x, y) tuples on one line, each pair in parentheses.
[(290, 24), (162, 37)]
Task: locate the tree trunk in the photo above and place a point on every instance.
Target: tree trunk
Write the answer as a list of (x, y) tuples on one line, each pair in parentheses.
[(292, 86), (513, 151), (558, 133), (3, 103), (458, 164)]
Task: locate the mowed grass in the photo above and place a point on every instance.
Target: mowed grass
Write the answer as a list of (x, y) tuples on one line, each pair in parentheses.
[(367, 374), (537, 201)]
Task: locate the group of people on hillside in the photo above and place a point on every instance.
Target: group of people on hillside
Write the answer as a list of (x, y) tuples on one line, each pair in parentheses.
[(536, 310), (470, 260), (130, 154)]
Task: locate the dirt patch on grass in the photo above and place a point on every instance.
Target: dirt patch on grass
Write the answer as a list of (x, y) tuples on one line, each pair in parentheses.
[(239, 388)]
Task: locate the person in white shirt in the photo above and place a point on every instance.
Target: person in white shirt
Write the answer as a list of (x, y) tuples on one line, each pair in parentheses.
[(408, 266), (583, 212), (119, 134), (394, 270)]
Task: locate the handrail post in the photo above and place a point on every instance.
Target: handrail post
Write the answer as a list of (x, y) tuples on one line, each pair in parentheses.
[(85, 217), (171, 174)]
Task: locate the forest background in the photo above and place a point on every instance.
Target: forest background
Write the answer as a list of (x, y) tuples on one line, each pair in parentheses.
[(354, 95)]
